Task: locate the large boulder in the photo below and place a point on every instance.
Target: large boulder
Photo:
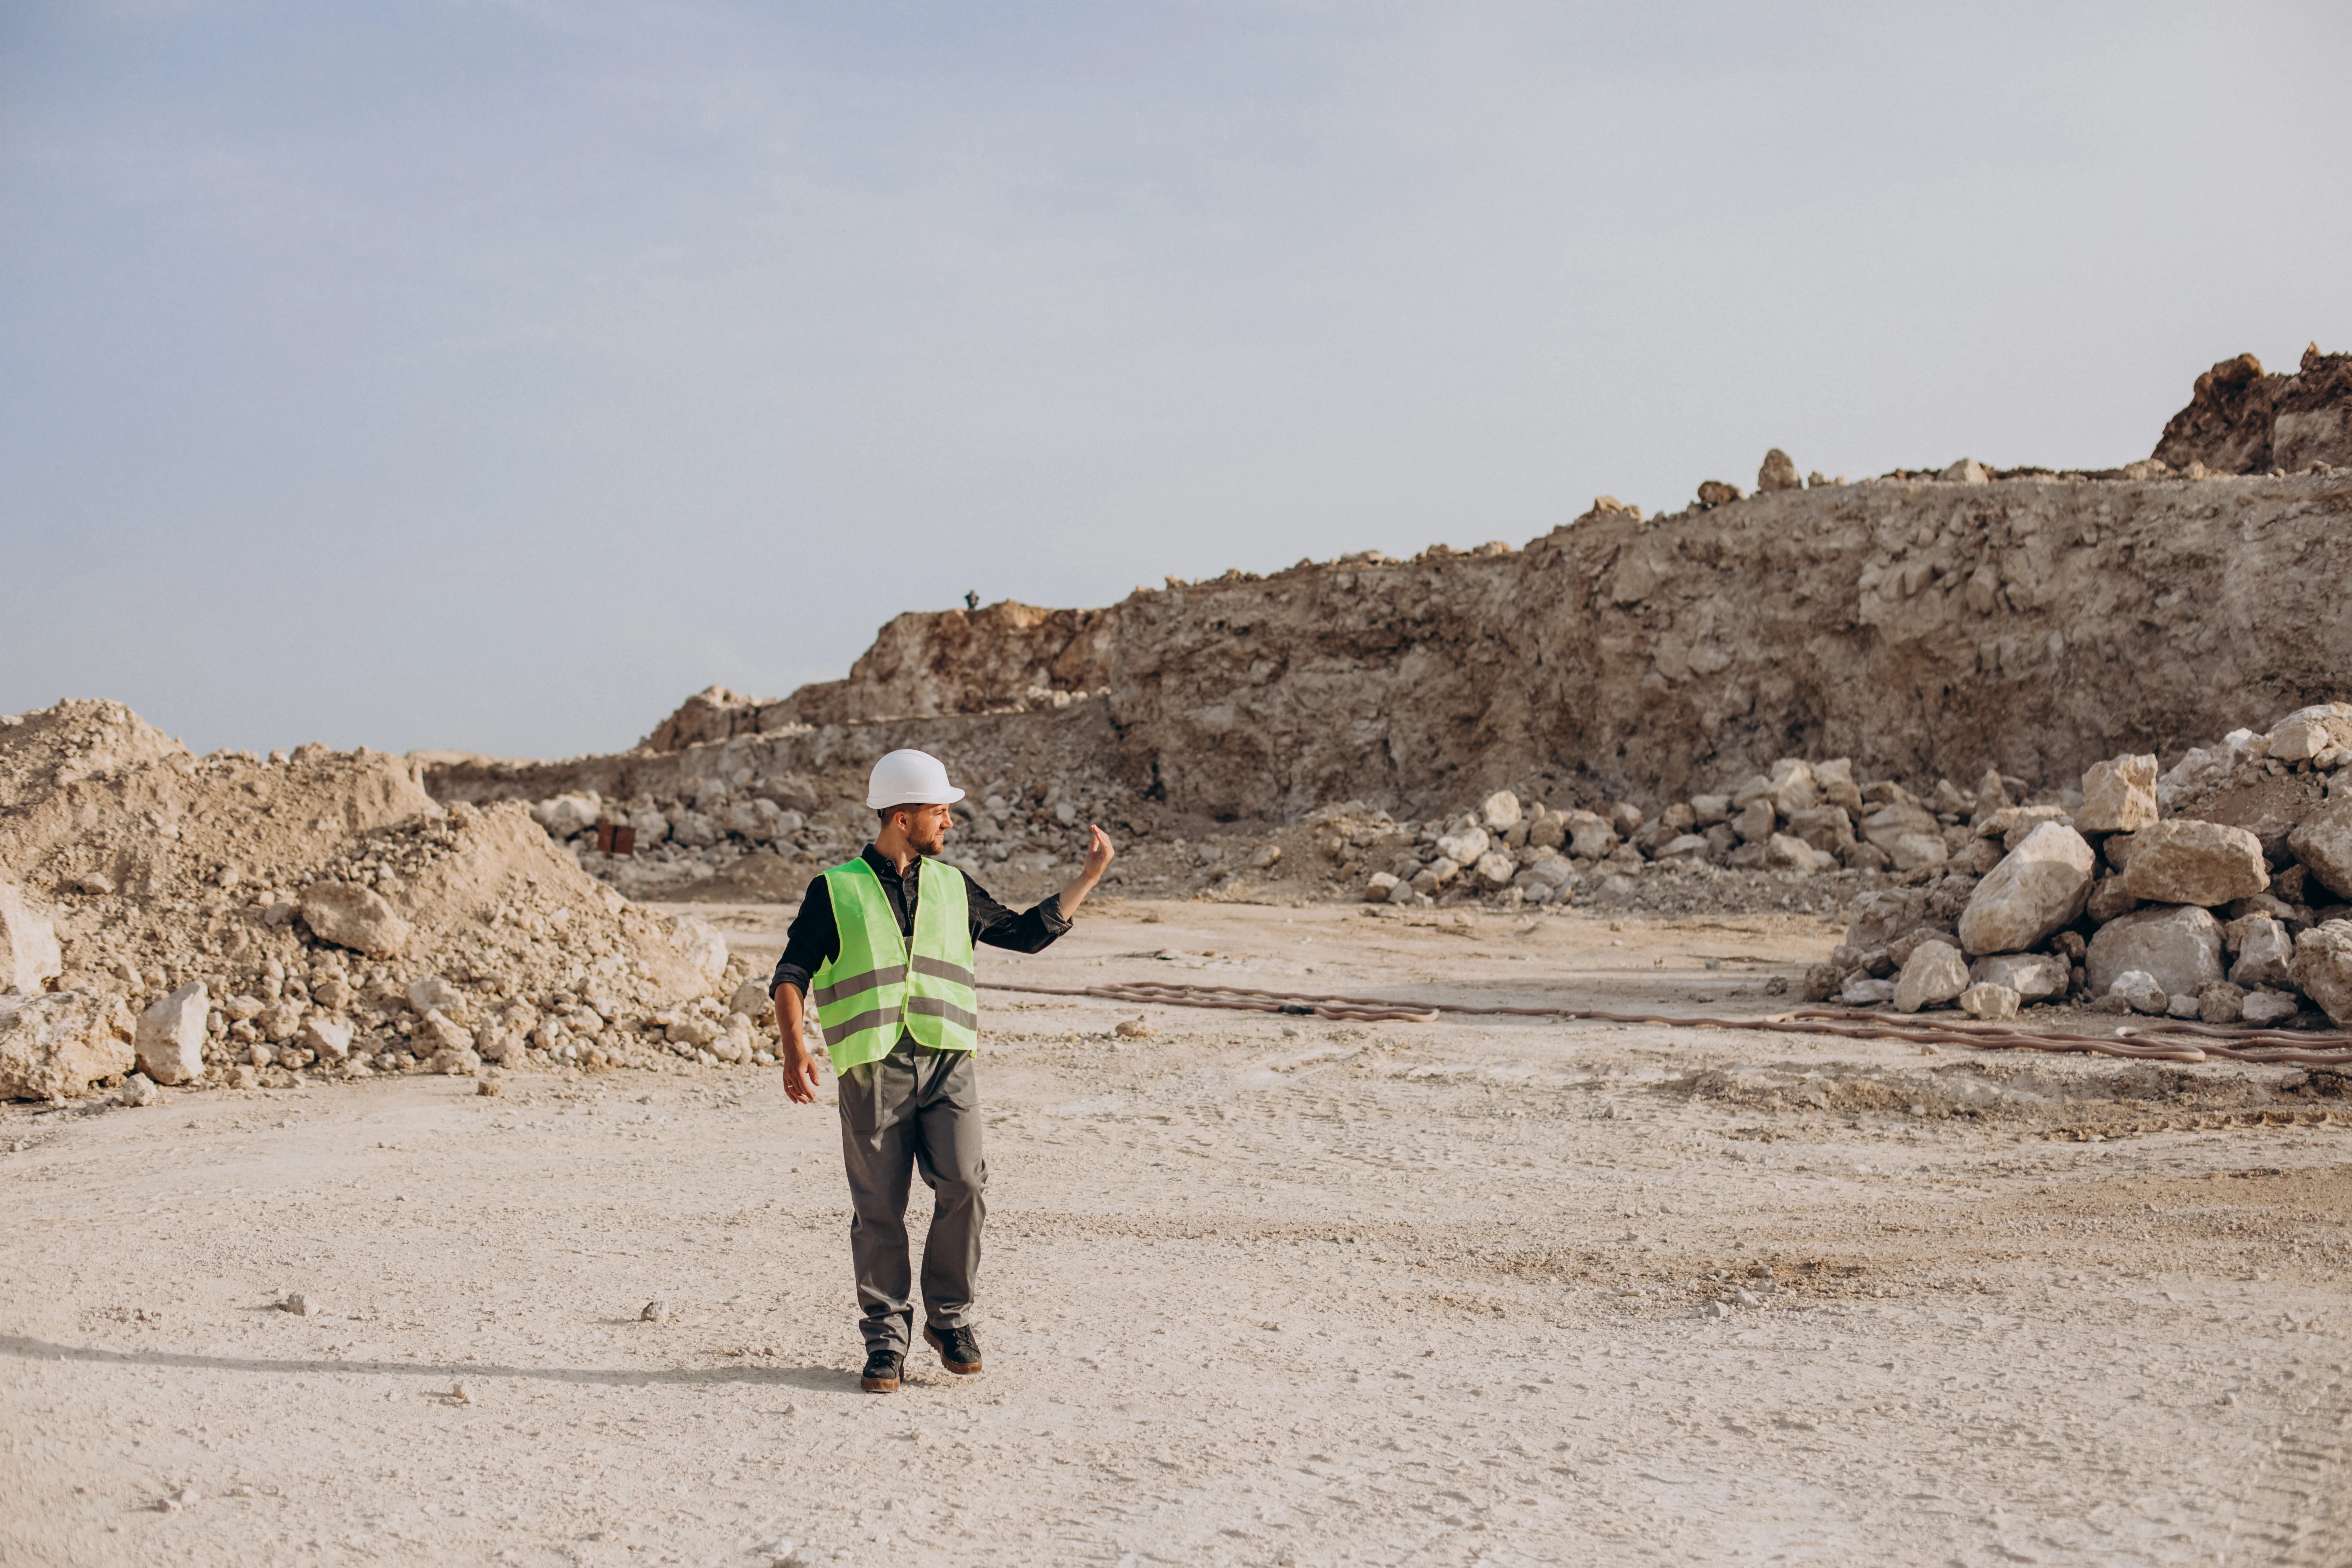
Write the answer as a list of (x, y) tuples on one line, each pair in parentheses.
[(56, 1044), (2191, 862), (2266, 953), (2118, 795), (2035, 976), (1898, 820), (1934, 972), (170, 1041), (30, 955), (2036, 890), (2323, 841), (2307, 731), (2323, 968), (2179, 944), (349, 915)]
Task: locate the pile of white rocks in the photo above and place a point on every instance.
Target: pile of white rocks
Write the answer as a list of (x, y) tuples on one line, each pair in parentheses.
[(680, 839), (1806, 817), (2130, 901)]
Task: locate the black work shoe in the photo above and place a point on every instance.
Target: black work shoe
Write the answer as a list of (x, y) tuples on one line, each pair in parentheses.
[(959, 1350), (881, 1375)]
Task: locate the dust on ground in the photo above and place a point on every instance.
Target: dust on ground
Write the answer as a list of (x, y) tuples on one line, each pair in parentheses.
[(1259, 1290)]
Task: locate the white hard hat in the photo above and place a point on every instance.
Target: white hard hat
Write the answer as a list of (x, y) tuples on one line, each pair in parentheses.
[(909, 778)]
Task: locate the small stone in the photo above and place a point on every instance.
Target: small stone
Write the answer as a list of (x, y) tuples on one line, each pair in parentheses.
[(1718, 1310), (2140, 991), (1495, 869), (2263, 1007), (2013, 824), (1137, 1029), (2181, 1006), (2189, 862), (329, 1039), (185, 1496), (299, 1304), (1746, 1298), (2118, 795), (430, 993), (1835, 780), (1917, 852), (1778, 473), (170, 1040), (460, 1063), (697, 1031), (752, 999), (1863, 991), (1828, 828), (1934, 972), (1991, 1002), (352, 916), (138, 1089), (1715, 492), (2221, 1002), (1267, 855), (488, 1084), (1378, 886), (656, 1311), (2109, 898), (1756, 821), (1782, 850), (1499, 811)]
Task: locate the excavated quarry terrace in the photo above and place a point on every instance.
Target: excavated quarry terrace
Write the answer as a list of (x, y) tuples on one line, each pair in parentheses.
[(1858, 701), (394, 1176)]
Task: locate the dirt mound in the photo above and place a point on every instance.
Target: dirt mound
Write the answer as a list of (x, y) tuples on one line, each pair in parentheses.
[(461, 934)]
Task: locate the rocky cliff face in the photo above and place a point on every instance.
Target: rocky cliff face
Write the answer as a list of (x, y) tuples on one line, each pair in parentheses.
[(1922, 626)]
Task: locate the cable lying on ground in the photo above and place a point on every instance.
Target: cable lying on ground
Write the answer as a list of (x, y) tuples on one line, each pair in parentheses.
[(2169, 1040)]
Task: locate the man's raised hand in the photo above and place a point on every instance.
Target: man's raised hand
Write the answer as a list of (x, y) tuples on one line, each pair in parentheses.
[(1099, 854)]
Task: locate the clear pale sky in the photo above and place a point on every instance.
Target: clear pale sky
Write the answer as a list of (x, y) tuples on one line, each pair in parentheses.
[(492, 376)]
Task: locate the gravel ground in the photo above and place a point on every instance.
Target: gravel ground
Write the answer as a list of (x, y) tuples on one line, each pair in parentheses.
[(1259, 1290)]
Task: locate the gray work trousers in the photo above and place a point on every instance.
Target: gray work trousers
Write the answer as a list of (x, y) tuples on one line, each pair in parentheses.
[(914, 1110)]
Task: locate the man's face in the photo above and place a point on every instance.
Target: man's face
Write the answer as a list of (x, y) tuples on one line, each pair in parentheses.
[(926, 829)]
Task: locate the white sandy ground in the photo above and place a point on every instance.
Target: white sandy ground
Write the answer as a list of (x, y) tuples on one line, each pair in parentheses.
[(1259, 1290)]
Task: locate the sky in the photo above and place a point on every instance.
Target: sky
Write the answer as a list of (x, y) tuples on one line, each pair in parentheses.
[(492, 374)]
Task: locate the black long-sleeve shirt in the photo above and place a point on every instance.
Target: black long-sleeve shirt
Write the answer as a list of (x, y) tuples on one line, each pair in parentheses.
[(814, 938)]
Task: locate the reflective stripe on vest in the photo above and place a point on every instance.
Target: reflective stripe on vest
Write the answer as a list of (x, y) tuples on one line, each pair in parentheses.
[(874, 991)]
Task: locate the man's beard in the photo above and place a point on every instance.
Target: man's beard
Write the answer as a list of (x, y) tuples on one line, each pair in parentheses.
[(932, 843)]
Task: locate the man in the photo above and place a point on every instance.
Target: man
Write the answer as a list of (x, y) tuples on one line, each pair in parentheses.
[(884, 945)]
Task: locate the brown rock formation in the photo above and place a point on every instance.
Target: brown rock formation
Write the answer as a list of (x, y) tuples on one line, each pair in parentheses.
[(2241, 421)]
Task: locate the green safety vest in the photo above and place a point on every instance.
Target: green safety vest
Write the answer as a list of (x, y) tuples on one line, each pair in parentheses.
[(873, 992)]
